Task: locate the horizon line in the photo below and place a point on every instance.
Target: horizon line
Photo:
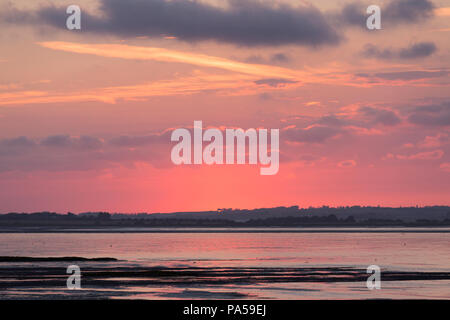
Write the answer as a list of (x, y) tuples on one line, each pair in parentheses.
[(228, 210)]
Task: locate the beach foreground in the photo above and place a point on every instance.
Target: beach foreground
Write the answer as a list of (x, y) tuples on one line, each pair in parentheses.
[(270, 265)]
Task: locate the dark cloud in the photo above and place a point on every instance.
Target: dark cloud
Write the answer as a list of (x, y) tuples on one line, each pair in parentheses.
[(10, 14), (313, 134), (58, 141), (347, 164), (404, 75), (353, 14), (418, 50), (322, 128), (380, 116), (19, 142), (66, 141), (71, 153), (393, 13), (255, 59), (331, 120), (245, 22), (431, 115), (90, 143), (408, 11), (265, 96), (277, 58), (138, 141), (280, 58), (372, 51), (274, 82), (15, 146), (309, 157), (366, 117)]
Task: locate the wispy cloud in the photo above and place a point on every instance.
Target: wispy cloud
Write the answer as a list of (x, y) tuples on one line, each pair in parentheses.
[(429, 155), (166, 55), (325, 75), (181, 86), (242, 79), (412, 75)]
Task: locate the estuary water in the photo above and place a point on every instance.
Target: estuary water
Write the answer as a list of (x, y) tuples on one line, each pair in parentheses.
[(225, 264)]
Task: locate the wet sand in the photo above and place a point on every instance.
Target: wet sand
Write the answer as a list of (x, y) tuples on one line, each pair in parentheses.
[(108, 277)]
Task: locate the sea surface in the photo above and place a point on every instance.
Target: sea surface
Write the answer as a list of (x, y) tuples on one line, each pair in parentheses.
[(225, 264)]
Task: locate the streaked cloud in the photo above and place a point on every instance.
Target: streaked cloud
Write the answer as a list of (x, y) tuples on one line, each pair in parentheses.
[(428, 155), (405, 75), (166, 55), (414, 51), (275, 82), (179, 86)]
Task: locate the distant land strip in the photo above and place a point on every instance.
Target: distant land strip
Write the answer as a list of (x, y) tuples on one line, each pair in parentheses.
[(236, 219)]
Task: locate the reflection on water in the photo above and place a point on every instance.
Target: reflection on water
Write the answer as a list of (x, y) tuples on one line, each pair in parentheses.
[(399, 252)]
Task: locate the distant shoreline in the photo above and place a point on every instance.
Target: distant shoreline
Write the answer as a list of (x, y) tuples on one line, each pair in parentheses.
[(265, 220), (434, 229), (233, 220)]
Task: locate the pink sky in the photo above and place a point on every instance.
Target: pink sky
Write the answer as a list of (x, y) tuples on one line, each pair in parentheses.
[(86, 116)]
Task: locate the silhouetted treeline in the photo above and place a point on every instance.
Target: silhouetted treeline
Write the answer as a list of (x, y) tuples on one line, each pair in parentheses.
[(273, 217)]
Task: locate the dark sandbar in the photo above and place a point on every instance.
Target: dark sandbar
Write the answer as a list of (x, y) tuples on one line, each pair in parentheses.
[(53, 259)]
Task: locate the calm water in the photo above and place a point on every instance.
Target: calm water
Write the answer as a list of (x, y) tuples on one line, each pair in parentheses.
[(392, 251)]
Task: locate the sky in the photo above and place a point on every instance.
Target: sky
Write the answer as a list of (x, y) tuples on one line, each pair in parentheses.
[(86, 115)]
